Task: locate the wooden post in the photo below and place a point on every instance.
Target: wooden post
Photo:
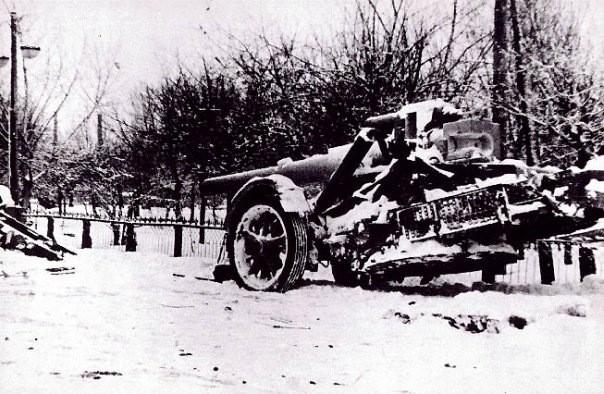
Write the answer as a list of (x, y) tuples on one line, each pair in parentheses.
[(202, 220), (86, 239), (177, 240), (50, 230), (123, 238), (568, 254), (546, 263), (488, 274), (587, 262), (130, 238), (116, 233)]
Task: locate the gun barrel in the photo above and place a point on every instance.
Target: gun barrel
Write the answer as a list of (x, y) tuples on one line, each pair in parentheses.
[(314, 169)]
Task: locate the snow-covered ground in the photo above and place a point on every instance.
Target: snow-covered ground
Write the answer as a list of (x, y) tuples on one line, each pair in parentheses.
[(109, 321)]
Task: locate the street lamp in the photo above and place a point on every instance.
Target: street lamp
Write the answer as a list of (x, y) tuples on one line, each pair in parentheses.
[(28, 52)]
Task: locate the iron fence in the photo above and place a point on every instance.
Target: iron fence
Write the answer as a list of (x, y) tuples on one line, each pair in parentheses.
[(172, 238)]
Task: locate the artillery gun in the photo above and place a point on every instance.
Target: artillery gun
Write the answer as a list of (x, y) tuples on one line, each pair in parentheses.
[(419, 192)]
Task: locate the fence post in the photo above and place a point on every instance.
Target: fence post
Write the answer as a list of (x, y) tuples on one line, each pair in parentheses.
[(50, 230), (177, 240), (568, 254), (86, 239), (202, 221), (116, 233), (546, 263), (587, 262), (130, 238)]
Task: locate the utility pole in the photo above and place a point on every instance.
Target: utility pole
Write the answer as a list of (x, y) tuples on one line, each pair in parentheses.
[(28, 52), (13, 137)]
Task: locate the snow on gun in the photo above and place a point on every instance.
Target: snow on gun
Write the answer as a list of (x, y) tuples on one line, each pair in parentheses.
[(419, 192), (16, 235)]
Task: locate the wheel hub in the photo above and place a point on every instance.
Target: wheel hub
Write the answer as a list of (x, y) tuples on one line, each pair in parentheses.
[(260, 246)]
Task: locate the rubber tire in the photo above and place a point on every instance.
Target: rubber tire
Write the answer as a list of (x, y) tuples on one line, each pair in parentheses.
[(296, 232), (343, 275)]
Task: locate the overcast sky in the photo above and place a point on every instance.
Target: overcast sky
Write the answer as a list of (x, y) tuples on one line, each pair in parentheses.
[(143, 37)]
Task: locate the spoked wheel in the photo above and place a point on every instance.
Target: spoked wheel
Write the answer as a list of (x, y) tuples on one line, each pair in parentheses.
[(267, 247)]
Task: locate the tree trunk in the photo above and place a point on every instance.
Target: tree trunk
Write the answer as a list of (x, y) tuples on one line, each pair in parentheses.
[(523, 122), (60, 200), (120, 200), (28, 185), (177, 195), (499, 70), (192, 203)]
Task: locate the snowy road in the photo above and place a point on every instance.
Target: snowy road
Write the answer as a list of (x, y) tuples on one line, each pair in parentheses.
[(120, 322)]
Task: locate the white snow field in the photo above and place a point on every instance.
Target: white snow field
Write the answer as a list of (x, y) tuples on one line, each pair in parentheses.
[(113, 322)]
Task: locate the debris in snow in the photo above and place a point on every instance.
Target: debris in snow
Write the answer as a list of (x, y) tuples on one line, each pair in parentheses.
[(178, 306), (404, 318), (61, 270), (474, 323), (577, 310), (292, 327), (98, 374), (517, 321)]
